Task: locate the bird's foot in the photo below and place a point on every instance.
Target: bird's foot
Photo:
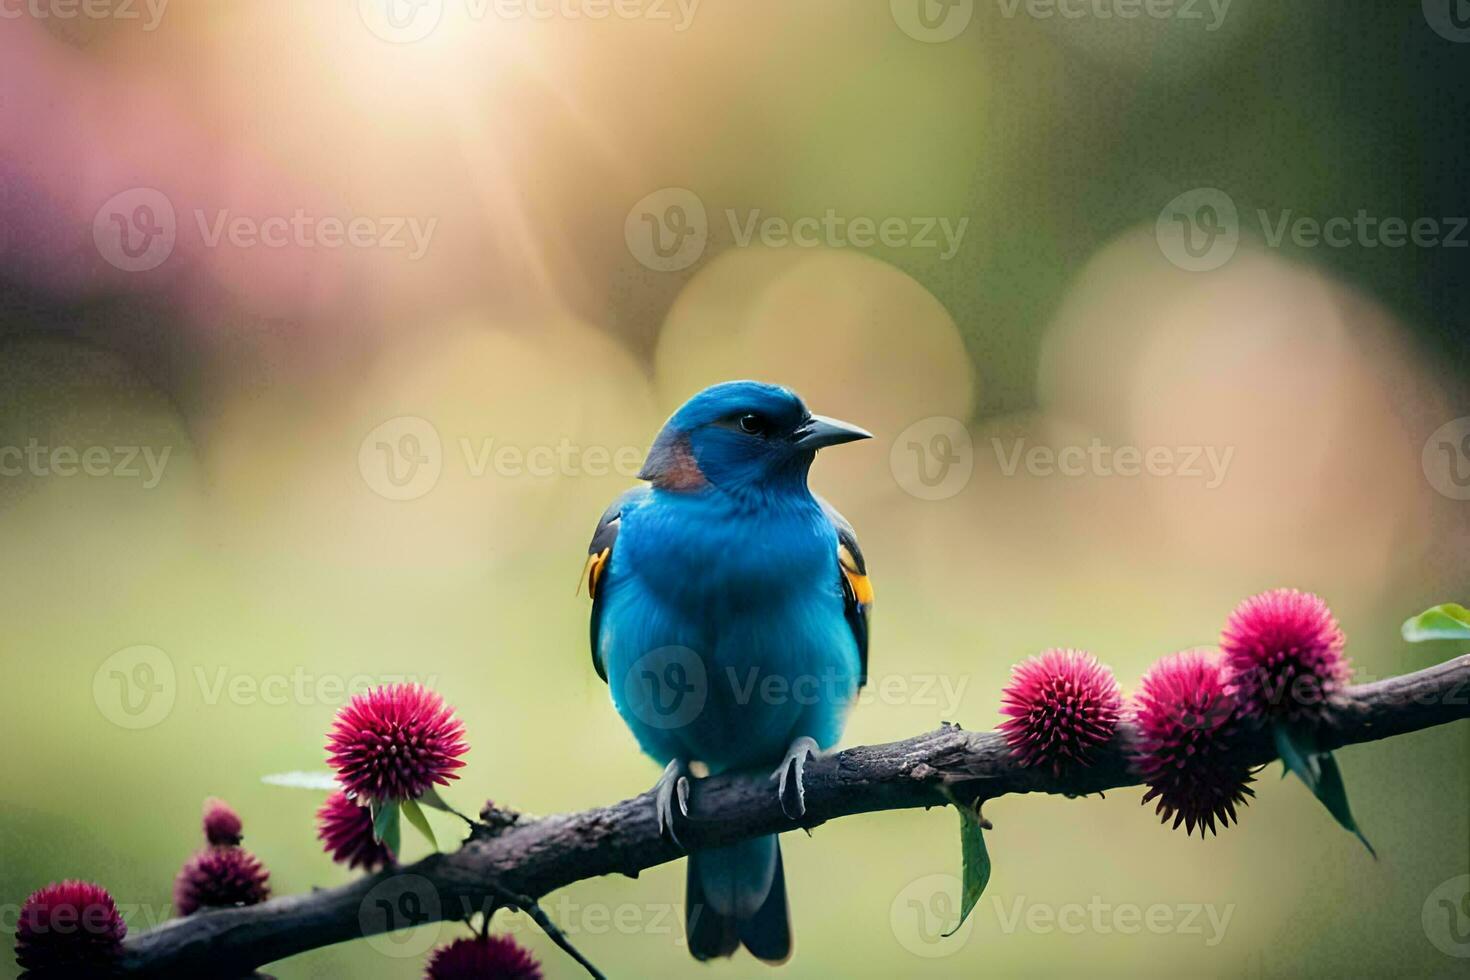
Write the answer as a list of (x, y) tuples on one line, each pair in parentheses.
[(671, 800), (788, 776)]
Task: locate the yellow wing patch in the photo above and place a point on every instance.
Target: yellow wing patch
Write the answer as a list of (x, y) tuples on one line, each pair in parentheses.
[(862, 587), (592, 571)]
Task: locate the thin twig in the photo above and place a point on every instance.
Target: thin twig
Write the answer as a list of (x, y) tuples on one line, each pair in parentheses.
[(532, 908)]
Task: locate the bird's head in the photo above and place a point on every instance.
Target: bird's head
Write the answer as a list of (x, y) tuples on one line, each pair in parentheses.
[(742, 435)]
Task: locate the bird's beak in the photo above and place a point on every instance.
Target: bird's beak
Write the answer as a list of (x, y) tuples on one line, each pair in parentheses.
[(819, 431)]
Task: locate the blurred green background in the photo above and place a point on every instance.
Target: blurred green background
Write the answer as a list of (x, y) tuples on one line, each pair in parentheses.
[(288, 546)]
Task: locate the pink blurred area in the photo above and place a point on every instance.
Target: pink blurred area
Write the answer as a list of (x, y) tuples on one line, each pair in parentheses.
[(505, 140)]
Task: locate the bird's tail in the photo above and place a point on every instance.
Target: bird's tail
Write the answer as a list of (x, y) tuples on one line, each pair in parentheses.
[(735, 896)]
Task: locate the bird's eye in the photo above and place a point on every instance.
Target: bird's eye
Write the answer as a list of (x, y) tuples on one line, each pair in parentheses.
[(751, 425)]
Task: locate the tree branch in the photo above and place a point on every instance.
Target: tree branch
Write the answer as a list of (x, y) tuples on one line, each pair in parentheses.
[(534, 857)]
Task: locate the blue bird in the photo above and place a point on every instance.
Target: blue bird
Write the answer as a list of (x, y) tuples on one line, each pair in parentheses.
[(730, 614)]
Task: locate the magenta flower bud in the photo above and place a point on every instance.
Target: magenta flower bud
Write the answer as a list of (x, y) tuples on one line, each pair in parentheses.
[(1284, 652), (489, 958), (347, 831), (394, 743), (71, 929), (1061, 705), (220, 878), (1187, 726), (222, 826)]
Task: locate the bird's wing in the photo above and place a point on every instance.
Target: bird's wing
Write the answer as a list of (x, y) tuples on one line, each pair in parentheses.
[(857, 589), (599, 563)]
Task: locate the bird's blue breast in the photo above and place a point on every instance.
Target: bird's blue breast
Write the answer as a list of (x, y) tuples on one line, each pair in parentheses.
[(723, 635)]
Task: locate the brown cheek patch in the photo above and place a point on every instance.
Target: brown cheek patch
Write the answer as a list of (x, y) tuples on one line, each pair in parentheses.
[(682, 472)]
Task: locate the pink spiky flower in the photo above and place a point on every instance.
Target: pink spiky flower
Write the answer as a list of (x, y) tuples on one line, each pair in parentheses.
[(1284, 652), (222, 826), (483, 958), (347, 831), (69, 929), (395, 742), (220, 877), (1187, 725), (1061, 706)]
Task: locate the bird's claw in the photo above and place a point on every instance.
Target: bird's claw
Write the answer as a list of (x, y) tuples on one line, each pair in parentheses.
[(671, 792), (788, 776)]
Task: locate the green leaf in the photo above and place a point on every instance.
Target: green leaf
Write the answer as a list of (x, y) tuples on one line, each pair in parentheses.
[(386, 828), (1333, 795), (1298, 751), (415, 816), (1318, 770), (430, 797), (302, 780), (1450, 621), (976, 860)]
